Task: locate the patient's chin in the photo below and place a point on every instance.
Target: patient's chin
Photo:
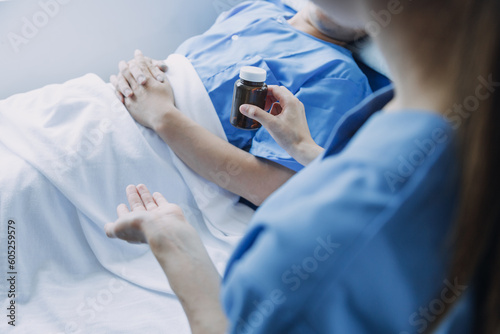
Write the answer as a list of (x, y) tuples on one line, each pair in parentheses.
[(347, 15)]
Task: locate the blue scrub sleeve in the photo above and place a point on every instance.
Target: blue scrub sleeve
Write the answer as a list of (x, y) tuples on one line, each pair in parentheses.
[(258, 302), (343, 235)]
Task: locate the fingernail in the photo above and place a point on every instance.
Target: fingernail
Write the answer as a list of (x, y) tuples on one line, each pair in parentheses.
[(128, 92), (160, 78), (141, 79), (244, 109)]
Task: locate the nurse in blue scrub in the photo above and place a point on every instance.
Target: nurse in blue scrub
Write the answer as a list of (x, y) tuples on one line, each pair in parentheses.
[(394, 227)]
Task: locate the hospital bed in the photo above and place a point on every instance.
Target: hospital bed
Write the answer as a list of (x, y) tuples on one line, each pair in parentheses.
[(51, 41)]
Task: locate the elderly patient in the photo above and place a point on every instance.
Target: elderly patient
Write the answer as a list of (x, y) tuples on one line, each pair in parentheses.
[(304, 52)]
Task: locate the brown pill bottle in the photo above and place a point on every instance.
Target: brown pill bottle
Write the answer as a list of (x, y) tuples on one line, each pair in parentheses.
[(249, 89)]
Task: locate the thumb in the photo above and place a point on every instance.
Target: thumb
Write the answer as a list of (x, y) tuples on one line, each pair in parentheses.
[(257, 114), (110, 230)]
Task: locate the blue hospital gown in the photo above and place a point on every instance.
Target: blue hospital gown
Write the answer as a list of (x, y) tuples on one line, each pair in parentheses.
[(322, 75), (355, 243)]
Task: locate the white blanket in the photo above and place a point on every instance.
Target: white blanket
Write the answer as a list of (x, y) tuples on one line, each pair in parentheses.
[(67, 153)]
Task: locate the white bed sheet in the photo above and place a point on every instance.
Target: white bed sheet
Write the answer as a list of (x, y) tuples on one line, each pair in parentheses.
[(68, 152)]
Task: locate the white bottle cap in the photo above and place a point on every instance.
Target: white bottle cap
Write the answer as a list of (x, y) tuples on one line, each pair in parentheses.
[(252, 73)]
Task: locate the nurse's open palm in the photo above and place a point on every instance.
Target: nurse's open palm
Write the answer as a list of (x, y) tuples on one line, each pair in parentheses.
[(287, 124), (150, 217)]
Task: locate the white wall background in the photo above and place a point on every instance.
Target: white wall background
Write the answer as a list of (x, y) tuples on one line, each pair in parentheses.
[(51, 41)]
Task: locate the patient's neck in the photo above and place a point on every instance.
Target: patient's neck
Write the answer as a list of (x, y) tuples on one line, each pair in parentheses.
[(302, 22)]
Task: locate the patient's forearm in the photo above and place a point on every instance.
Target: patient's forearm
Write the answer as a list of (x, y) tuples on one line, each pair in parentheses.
[(220, 162)]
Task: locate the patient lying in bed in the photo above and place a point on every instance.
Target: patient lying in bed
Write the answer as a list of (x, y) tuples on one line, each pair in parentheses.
[(303, 52), (69, 151)]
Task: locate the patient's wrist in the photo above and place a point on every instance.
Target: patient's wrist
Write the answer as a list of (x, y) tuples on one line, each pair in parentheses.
[(166, 119)]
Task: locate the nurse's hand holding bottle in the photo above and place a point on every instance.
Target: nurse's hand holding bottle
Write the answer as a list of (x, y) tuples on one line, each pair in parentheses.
[(287, 124)]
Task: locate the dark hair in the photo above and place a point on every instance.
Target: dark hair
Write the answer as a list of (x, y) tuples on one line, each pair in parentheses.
[(476, 238), (473, 50), (457, 43)]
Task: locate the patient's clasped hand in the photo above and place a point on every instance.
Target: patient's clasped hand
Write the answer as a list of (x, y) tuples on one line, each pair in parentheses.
[(342, 247), (309, 38), (150, 100), (151, 219), (151, 103), (176, 245), (193, 156)]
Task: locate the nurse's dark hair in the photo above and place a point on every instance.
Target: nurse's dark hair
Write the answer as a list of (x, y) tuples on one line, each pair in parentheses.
[(459, 42)]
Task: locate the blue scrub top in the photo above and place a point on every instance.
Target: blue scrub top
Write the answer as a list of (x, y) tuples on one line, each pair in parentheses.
[(355, 243), (324, 76)]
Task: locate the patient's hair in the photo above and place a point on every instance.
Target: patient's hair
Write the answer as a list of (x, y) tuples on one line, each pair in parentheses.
[(459, 41)]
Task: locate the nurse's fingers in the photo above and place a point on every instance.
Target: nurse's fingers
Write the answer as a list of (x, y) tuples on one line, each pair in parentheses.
[(127, 228), (134, 200), (283, 95), (258, 114), (159, 199), (125, 72), (270, 101), (122, 210), (110, 230), (146, 197)]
